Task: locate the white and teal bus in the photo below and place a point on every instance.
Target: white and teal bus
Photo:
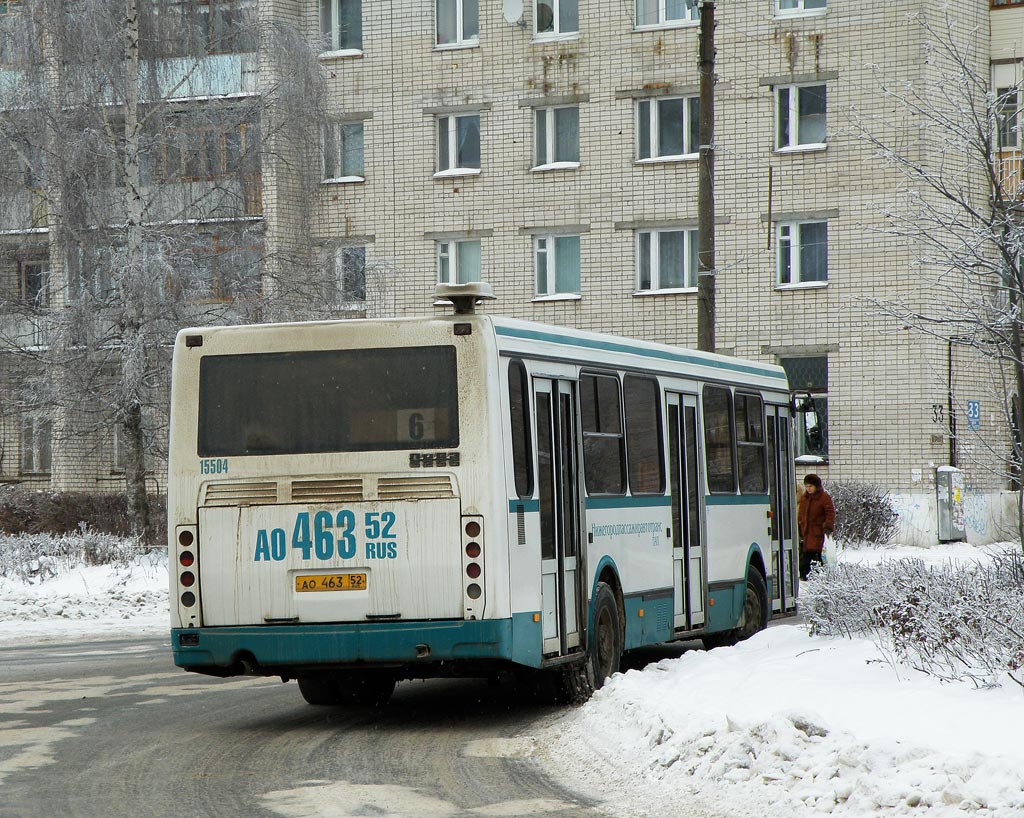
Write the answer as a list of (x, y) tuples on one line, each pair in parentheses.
[(352, 503)]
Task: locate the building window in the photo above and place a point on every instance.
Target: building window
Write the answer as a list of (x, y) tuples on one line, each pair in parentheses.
[(341, 25), (458, 22), (557, 265), (119, 458), (666, 260), (802, 252), (557, 137), (458, 143), (665, 12), (1007, 113), (343, 152), (800, 116), (557, 17), (810, 374), (667, 128), (786, 7), (347, 276), (604, 447), (458, 262), (35, 283), (36, 443)]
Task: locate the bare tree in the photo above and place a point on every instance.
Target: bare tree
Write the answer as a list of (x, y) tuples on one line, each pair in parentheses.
[(135, 140), (949, 136)]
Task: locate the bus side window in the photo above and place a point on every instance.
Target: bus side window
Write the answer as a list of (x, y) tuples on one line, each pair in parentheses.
[(718, 436), (750, 448), (604, 450), (642, 399), (519, 404)]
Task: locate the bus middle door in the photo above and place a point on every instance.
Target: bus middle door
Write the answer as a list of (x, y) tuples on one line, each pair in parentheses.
[(688, 549), (560, 524)]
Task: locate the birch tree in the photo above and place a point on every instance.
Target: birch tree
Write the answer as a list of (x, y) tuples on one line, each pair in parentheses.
[(955, 140), (133, 139)]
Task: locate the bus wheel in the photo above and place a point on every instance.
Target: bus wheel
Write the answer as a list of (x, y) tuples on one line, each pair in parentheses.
[(755, 606), (606, 639), (320, 690)]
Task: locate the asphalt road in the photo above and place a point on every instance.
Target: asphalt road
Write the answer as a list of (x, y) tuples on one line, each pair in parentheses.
[(113, 730)]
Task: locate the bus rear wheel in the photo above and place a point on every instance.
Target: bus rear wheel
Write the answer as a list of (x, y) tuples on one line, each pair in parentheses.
[(753, 618), (606, 639), (755, 606)]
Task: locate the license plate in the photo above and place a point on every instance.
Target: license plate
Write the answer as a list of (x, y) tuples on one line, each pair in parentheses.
[(331, 582)]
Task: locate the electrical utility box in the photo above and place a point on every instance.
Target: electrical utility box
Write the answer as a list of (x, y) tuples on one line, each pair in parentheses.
[(949, 484)]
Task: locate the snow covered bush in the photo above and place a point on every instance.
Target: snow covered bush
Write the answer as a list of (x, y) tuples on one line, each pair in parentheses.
[(957, 621), (38, 557), (865, 513)]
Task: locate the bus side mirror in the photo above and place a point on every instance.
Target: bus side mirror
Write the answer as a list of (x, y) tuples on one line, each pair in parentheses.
[(802, 403)]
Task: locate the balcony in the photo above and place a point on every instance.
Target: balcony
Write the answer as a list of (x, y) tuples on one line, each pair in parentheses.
[(1010, 172), (216, 75)]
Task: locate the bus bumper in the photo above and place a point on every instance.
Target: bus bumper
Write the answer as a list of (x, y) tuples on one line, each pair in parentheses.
[(278, 649)]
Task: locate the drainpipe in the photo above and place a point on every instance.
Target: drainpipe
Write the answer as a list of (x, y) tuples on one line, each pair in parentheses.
[(952, 414)]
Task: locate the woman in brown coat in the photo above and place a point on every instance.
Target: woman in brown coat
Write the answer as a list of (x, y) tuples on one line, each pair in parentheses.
[(816, 516)]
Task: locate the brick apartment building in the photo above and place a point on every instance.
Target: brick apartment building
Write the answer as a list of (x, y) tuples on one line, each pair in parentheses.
[(549, 147)]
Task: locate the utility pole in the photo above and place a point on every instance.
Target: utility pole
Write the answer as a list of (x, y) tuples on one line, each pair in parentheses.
[(706, 182)]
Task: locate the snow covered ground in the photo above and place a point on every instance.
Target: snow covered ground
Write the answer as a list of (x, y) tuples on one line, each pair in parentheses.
[(781, 726), (86, 601)]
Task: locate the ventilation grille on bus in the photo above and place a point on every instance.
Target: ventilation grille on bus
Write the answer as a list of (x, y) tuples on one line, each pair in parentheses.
[(342, 490), (425, 487), (240, 494)]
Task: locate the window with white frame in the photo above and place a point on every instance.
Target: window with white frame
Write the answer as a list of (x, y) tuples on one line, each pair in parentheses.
[(802, 252), (36, 443), (800, 116), (343, 152), (666, 260), (341, 25), (556, 17), (458, 261), (665, 12), (35, 282), (667, 128), (458, 143), (786, 7), (557, 136), (557, 265), (458, 22)]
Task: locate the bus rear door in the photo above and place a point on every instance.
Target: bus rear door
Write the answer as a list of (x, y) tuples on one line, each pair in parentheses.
[(688, 557)]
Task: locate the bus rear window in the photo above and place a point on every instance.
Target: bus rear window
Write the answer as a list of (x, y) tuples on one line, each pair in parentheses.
[(328, 401)]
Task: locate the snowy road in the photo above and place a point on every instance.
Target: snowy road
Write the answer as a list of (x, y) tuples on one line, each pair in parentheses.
[(112, 729)]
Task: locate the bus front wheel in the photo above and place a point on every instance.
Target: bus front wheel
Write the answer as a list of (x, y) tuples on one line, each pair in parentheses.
[(755, 606)]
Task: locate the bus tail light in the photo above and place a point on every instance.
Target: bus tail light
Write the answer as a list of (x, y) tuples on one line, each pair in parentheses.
[(473, 566), (188, 572)]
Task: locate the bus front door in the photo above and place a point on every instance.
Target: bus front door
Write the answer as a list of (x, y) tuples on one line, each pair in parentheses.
[(778, 429), (688, 557), (560, 525)]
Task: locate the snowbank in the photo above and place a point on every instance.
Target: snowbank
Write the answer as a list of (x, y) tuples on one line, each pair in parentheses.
[(785, 725), (86, 600)]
